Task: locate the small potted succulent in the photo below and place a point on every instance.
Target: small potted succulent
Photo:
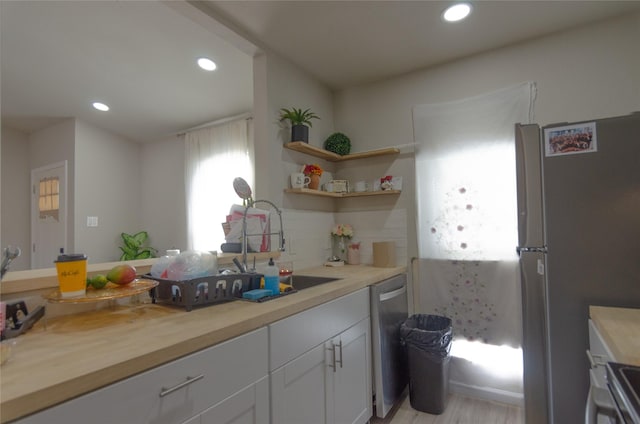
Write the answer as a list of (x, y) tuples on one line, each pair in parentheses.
[(300, 122)]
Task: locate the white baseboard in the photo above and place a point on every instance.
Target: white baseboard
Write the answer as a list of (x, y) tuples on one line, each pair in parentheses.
[(487, 393)]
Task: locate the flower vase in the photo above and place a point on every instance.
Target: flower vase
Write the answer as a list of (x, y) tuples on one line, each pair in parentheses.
[(314, 181), (339, 247), (353, 254)]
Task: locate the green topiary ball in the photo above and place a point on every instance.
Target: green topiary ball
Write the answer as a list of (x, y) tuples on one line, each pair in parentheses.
[(338, 143)]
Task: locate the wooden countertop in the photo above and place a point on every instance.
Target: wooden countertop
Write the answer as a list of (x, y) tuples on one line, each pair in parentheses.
[(65, 357), (620, 328)]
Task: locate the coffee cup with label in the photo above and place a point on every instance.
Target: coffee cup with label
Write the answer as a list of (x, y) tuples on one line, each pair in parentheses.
[(72, 274), (299, 180)]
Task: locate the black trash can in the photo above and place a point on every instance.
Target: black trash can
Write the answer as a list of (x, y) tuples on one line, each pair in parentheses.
[(428, 342)]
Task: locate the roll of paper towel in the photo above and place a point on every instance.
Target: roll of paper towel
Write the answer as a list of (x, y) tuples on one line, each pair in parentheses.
[(384, 254)]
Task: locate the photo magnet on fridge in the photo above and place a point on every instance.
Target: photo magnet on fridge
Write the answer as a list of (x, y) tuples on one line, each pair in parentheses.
[(570, 139)]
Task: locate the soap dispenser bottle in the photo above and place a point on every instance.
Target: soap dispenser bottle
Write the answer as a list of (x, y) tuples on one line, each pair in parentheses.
[(272, 278)]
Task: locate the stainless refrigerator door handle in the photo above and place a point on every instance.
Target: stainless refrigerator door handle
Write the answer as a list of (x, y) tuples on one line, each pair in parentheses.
[(188, 381), (541, 249), (392, 294)]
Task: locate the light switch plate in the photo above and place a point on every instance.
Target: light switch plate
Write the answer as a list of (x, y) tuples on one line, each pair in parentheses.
[(92, 221)]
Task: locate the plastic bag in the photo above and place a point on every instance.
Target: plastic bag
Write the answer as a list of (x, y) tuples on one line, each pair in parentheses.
[(430, 333), (160, 266), (192, 264)]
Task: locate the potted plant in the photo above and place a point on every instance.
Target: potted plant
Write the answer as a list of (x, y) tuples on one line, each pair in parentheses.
[(300, 122), (338, 143), (133, 247)]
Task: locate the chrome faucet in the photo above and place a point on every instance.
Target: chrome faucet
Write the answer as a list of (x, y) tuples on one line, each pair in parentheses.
[(7, 257), (245, 236)]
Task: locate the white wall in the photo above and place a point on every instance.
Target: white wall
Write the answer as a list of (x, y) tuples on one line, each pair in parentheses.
[(585, 73), (280, 84), (129, 187), (56, 144), (107, 185), (163, 202), (16, 202)]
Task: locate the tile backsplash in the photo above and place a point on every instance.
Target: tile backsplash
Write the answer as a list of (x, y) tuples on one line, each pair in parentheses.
[(308, 234)]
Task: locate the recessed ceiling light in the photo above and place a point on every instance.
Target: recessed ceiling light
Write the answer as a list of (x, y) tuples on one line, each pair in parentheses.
[(207, 64), (100, 106), (457, 12)]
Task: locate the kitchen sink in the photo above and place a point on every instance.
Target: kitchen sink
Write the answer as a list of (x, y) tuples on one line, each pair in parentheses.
[(301, 282)]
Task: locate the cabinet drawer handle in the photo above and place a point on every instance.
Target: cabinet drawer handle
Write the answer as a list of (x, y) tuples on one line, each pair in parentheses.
[(164, 391), (333, 356), (340, 345)]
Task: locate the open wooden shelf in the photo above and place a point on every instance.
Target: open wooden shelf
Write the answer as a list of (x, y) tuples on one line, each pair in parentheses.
[(341, 195), (301, 146)]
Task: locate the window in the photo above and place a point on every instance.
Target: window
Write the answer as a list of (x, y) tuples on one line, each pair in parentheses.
[(215, 156), (49, 198)]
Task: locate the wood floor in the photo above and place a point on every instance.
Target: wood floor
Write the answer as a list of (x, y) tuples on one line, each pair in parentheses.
[(459, 410)]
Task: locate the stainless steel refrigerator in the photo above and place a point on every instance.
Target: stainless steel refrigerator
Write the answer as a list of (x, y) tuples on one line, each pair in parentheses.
[(579, 245)]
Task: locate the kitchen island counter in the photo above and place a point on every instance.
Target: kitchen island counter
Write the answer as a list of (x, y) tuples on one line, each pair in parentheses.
[(65, 357), (620, 328)]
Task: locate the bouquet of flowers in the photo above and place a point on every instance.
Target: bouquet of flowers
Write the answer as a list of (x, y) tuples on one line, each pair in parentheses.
[(312, 169), (342, 230)]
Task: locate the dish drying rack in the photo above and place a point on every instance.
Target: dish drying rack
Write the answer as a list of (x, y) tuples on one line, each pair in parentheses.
[(203, 291)]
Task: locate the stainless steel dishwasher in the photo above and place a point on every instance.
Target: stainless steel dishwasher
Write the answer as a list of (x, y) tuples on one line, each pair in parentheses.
[(389, 309)]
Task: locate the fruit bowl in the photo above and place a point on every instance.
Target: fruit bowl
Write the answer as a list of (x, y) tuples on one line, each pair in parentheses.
[(111, 291)]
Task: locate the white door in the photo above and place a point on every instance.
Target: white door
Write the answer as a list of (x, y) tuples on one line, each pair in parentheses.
[(48, 214)]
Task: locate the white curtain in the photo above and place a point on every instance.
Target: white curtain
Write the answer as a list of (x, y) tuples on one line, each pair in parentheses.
[(467, 219), (214, 157)]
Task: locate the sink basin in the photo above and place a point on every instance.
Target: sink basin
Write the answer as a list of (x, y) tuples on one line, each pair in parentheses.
[(301, 282)]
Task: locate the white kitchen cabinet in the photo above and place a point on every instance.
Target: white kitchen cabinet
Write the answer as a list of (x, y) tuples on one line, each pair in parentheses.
[(322, 370), (349, 381), (228, 373), (298, 389), (249, 406)]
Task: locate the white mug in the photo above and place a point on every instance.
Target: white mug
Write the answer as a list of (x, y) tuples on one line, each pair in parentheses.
[(299, 180), (328, 187), (361, 186)]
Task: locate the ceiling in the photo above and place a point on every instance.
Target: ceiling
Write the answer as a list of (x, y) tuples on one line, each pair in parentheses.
[(346, 43), (138, 56)]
